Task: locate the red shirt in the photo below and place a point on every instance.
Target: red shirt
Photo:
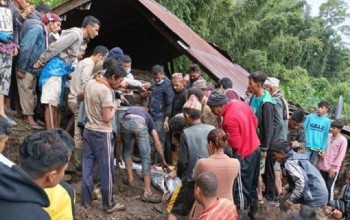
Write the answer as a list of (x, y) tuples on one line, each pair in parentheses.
[(222, 209), (240, 123)]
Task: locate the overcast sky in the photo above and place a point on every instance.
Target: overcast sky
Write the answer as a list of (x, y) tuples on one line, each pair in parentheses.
[(315, 4)]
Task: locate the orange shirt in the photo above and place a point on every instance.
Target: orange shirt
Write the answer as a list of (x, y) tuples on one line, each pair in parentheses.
[(223, 209)]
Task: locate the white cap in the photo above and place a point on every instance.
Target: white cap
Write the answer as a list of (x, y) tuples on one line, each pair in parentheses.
[(272, 82)]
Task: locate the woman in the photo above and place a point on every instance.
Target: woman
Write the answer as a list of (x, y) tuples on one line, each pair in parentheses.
[(225, 168)]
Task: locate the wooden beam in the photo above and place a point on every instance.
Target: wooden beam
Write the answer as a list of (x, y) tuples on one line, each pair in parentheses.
[(69, 5)]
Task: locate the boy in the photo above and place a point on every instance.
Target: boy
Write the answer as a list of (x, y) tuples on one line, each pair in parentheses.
[(316, 127), (330, 163)]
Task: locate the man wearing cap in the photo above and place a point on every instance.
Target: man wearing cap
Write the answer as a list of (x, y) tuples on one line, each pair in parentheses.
[(330, 162), (57, 63), (281, 112), (33, 44), (306, 185), (240, 123), (193, 146)]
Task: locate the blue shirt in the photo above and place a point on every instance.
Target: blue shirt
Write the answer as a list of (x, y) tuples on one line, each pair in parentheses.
[(316, 131)]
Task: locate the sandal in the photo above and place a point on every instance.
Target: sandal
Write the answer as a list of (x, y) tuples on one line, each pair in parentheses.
[(115, 208), (150, 197)]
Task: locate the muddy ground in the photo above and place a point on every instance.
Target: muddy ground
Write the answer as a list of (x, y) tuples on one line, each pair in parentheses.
[(131, 197)]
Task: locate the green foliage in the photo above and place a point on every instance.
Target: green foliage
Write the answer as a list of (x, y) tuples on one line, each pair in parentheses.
[(280, 38), (51, 3)]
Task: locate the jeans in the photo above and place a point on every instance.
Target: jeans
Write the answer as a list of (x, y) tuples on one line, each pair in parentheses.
[(312, 155), (136, 127)]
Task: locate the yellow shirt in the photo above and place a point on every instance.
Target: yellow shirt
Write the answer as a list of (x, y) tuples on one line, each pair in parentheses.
[(60, 203)]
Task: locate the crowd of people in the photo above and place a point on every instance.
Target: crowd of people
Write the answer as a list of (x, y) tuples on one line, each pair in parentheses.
[(230, 152)]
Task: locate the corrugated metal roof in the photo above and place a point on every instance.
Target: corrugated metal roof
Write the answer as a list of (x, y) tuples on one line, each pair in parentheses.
[(152, 34), (208, 57)]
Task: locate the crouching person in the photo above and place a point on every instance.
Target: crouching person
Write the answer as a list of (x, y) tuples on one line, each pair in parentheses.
[(306, 185), (138, 124), (44, 157)]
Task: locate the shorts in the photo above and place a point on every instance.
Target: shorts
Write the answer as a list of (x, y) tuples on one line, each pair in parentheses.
[(182, 200), (51, 92)]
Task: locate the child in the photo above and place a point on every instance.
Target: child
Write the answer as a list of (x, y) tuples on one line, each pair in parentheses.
[(316, 127), (331, 161)]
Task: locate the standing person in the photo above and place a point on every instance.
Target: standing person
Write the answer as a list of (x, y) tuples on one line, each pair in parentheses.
[(306, 185), (160, 105), (20, 9), (329, 165), (138, 124), (226, 85), (193, 74), (226, 169), (296, 132), (240, 123), (9, 31), (262, 104), (192, 147), (43, 160), (81, 75), (317, 127), (33, 44), (100, 106), (206, 194), (180, 93), (57, 61)]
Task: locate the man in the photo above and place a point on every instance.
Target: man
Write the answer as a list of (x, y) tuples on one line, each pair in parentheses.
[(205, 192), (180, 93), (160, 104), (43, 159), (226, 85), (281, 114), (240, 123), (82, 74), (58, 60), (317, 127), (193, 74), (329, 165), (127, 66), (306, 185), (296, 133), (138, 124), (192, 147), (263, 106), (33, 44), (100, 106)]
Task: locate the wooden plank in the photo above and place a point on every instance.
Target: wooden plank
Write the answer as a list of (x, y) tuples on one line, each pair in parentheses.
[(68, 6)]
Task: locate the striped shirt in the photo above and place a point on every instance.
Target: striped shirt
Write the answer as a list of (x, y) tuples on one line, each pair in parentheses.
[(222, 209)]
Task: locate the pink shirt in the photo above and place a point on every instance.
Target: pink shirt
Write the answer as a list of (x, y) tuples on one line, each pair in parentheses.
[(335, 153)]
